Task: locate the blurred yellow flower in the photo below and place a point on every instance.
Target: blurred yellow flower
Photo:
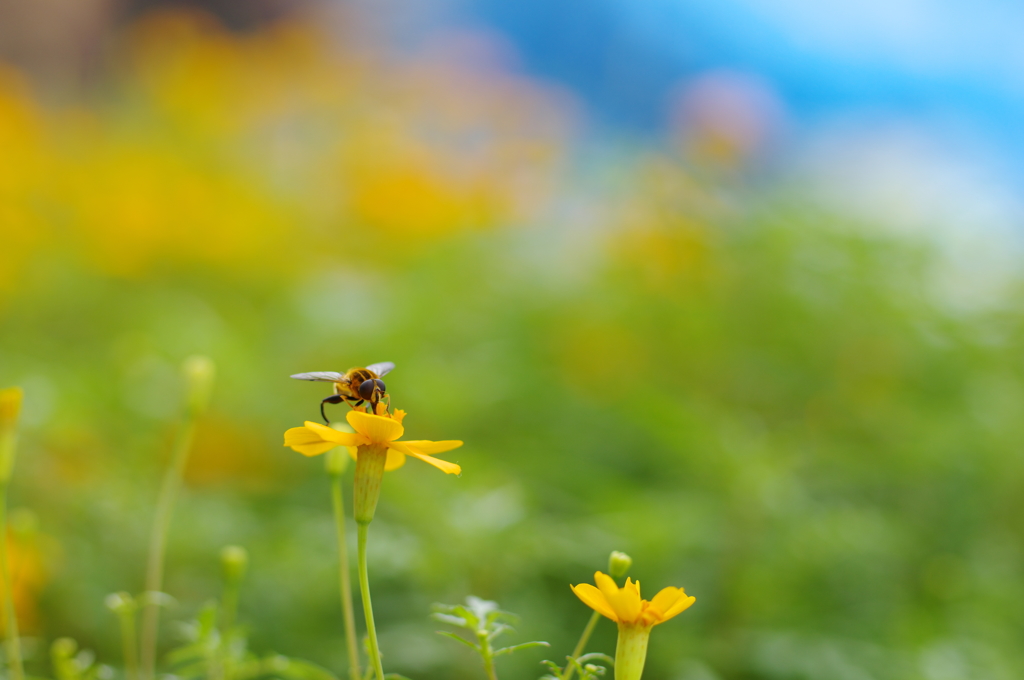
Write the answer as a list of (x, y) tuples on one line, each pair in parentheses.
[(10, 406), (382, 430), (28, 552), (216, 147)]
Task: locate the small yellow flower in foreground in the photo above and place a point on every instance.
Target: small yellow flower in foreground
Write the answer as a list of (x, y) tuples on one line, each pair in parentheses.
[(624, 605), (634, 615), (383, 430)]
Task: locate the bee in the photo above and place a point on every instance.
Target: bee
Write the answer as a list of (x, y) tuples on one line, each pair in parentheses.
[(354, 387)]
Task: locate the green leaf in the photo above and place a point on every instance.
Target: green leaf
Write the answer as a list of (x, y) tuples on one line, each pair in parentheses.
[(297, 669), (498, 629), (516, 648), (451, 620), (481, 608), (552, 666), (457, 638), (471, 619), (248, 670), (197, 650), (588, 671)]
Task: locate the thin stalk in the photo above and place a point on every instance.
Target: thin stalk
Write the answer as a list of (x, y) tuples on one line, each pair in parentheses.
[(129, 642), (581, 645), (158, 542), (13, 642), (234, 561), (487, 655), (489, 668), (344, 580), (364, 591), (229, 605), (229, 612)]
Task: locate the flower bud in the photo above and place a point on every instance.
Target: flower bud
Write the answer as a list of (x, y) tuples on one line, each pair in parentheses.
[(199, 372), (336, 461), (619, 564), (10, 407), (120, 603), (234, 560), (64, 647)]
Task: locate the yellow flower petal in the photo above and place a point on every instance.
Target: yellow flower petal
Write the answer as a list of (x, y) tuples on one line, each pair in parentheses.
[(593, 598), (331, 435), (395, 460), (681, 605), (625, 601), (424, 446), (378, 429), (307, 442), (442, 465), (605, 583), (665, 598)]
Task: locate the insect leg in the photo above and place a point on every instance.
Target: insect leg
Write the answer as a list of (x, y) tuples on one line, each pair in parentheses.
[(333, 399)]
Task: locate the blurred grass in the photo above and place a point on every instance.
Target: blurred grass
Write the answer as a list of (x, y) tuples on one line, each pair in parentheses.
[(757, 400)]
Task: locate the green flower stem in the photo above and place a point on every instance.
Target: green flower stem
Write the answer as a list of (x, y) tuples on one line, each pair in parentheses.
[(369, 475), (345, 580), (370, 461), (129, 642), (13, 642), (581, 645), (234, 561), (198, 372), (631, 651), (229, 609), (158, 542), (364, 591), (487, 654)]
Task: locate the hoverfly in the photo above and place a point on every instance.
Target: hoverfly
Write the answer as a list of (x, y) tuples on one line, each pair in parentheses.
[(354, 386)]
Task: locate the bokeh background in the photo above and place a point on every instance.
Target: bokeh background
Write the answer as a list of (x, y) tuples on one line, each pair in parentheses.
[(731, 286)]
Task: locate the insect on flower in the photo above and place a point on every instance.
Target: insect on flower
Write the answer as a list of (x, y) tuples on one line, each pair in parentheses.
[(354, 387)]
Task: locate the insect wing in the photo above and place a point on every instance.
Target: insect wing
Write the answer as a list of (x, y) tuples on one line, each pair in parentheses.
[(323, 376), (381, 369)]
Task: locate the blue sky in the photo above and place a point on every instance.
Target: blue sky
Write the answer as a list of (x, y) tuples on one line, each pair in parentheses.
[(935, 60)]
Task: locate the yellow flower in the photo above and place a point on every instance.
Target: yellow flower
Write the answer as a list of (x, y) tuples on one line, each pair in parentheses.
[(624, 605), (382, 430), (634, 615)]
